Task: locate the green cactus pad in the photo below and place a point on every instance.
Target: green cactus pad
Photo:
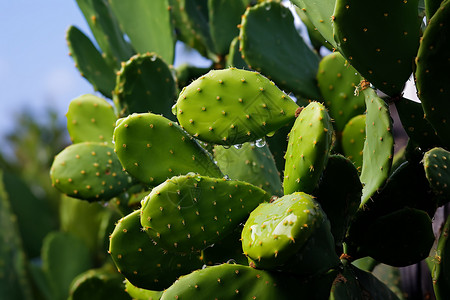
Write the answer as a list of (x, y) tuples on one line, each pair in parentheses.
[(354, 283), (337, 82), (380, 43), (89, 171), (98, 284), (416, 126), (148, 26), (317, 257), (90, 62), (339, 194), (320, 13), (402, 238), (145, 84), (233, 106), (91, 119), (441, 268), (228, 281), (317, 40), (234, 58), (378, 147), (106, 30), (142, 261), (224, 18), (191, 212), (153, 148), (433, 78), (141, 294), (276, 231), (353, 139), (271, 44), (63, 258), (436, 163), (391, 277), (252, 163), (308, 149)]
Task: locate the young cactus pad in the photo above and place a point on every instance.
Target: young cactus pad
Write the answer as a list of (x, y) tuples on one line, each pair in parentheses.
[(130, 246), (276, 231), (308, 149), (91, 119), (153, 148), (233, 106), (191, 212), (89, 171), (436, 163)]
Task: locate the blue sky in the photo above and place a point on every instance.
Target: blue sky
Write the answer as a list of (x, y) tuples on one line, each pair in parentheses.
[(35, 69)]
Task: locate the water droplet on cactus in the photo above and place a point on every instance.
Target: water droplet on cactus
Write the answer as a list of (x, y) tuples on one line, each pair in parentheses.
[(204, 267), (268, 6), (231, 261), (106, 204), (226, 146), (174, 109), (226, 177), (237, 146), (153, 58), (260, 143)]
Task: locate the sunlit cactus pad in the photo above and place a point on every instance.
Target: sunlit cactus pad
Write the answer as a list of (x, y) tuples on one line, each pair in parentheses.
[(89, 171), (191, 212), (233, 106)]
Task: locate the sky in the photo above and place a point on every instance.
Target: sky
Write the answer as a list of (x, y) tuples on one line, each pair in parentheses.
[(36, 71)]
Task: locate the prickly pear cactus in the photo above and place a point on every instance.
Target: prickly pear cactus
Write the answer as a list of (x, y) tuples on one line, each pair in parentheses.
[(178, 154)]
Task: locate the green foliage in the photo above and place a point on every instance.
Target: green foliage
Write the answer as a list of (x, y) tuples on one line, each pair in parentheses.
[(178, 211)]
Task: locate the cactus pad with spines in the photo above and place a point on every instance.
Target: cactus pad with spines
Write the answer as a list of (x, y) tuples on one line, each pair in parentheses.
[(251, 163), (191, 212), (353, 138), (153, 148), (148, 26), (229, 281), (98, 284), (381, 43), (233, 106), (436, 163), (441, 268), (89, 171), (320, 13), (433, 62), (276, 231), (308, 149), (90, 62), (378, 147), (271, 44), (106, 30), (145, 84), (91, 119), (130, 246), (416, 126), (337, 81)]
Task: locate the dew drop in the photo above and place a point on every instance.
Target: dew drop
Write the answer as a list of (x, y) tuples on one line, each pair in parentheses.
[(153, 58), (237, 146), (226, 177), (260, 143)]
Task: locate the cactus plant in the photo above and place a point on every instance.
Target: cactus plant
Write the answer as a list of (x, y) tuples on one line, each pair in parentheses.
[(199, 175)]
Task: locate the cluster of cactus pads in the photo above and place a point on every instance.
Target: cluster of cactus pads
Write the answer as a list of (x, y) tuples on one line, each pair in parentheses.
[(271, 174)]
